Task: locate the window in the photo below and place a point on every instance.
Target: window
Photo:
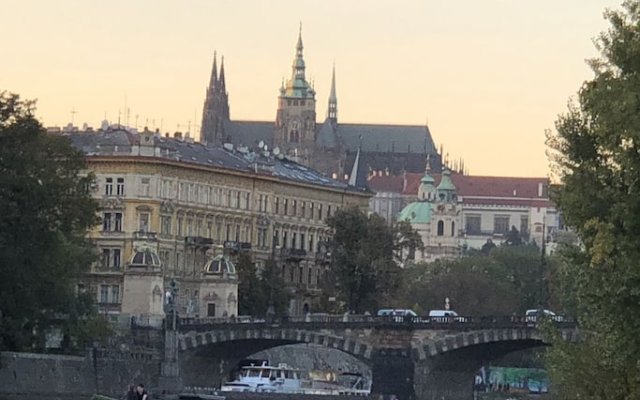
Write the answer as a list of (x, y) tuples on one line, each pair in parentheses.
[(302, 242), (211, 309), (228, 235), (120, 187), (117, 222), (320, 212), (524, 225), (310, 243), (106, 222), (143, 221), (179, 227), (165, 225), (294, 206), (115, 294), (300, 274), (440, 228), (472, 224), (303, 211), (210, 230), (309, 275), (104, 294), (112, 222), (198, 228), (182, 193), (189, 227), (247, 200), (311, 211), (453, 228), (144, 187), (286, 207), (501, 224), (276, 237), (293, 240), (277, 210), (111, 258), (237, 233), (237, 205), (108, 186), (284, 239), (329, 210)]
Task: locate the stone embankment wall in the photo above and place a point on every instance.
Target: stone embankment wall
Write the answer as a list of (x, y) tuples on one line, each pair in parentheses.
[(58, 377)]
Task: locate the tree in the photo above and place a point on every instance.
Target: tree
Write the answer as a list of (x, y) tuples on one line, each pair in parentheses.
[(363, 250), (251, 296), (259, 289), (407, 241), (596, 155), (46, 211)]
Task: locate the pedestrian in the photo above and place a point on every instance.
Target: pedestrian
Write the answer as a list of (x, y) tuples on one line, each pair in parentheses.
[(142, 392), (131, 393)]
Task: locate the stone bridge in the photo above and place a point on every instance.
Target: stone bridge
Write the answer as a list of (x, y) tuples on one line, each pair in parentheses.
[(414, 359)]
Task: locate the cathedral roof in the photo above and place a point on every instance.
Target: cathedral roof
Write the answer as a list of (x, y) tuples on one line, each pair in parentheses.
[(418, 212), (249, 133), (387, 138), (326, 136)]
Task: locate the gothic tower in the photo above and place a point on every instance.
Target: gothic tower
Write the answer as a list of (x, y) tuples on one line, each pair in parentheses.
[(216, 107), (296, 117)]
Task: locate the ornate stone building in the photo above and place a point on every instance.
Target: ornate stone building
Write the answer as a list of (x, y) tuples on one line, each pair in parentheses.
[(436, 216), (174, 209), (328, 146)]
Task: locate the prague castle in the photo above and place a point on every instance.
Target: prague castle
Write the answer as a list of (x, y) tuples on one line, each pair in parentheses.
[(328, 146)]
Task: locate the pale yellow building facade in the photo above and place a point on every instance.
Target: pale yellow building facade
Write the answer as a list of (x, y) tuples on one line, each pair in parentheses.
[(187, 204)]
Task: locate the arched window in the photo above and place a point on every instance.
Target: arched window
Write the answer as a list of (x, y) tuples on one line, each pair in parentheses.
[(440, 228), (453, 228)]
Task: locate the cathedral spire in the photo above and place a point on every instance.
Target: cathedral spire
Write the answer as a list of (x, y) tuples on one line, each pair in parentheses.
[(221, 80), (214, 72), (332, 110)]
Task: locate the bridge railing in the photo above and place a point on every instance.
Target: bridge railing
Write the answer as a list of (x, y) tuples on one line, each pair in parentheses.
[(459, 322)]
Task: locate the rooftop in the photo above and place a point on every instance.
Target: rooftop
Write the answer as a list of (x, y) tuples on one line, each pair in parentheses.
[(121, 142)]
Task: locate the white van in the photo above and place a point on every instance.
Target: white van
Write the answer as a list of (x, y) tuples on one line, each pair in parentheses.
[(445, 316)]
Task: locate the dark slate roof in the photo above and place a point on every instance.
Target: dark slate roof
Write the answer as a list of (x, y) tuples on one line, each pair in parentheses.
[(387, 138), (249, 133), (326, 135), (121, 143)]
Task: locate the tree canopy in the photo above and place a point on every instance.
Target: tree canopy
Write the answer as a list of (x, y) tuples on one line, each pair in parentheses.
[(46, 211), (259, 289), (596, 155), (365, 252)]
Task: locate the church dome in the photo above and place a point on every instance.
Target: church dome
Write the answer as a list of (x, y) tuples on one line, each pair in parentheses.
[(144, 258), (418, 212), (219, 265)]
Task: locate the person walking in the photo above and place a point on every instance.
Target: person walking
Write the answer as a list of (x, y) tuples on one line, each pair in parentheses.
[(142, 392), (131, 393)]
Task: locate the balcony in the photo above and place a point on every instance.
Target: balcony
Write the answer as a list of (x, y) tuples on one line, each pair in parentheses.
[(198, 241), (144, 235), (235, 247), (293, 254)]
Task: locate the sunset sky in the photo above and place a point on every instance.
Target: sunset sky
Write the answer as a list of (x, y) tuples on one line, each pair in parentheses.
[(489, 76)]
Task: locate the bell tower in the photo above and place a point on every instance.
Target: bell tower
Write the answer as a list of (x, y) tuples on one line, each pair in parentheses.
[(296, 117)]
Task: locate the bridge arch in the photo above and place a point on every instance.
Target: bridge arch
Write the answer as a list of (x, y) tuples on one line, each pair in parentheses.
[(273, 337)]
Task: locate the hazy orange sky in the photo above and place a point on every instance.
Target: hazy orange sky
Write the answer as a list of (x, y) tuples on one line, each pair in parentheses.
[(489, 76)]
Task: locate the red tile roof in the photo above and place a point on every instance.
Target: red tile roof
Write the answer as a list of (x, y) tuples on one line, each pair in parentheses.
[(480, 190)]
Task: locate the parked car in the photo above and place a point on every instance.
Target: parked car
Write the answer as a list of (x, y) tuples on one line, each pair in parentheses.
[(398, 314)]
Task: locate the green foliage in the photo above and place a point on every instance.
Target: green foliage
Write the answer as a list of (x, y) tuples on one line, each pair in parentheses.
[(506, 281), (46, 212), (257, 291), (596, 155), (364, 253)]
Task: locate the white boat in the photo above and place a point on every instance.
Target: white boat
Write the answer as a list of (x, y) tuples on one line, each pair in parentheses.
[(285, 379)]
